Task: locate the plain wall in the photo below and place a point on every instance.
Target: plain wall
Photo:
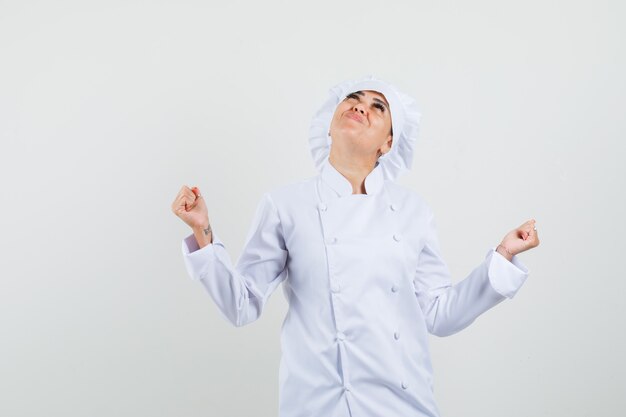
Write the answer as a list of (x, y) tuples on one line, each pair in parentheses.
[(108, 108)]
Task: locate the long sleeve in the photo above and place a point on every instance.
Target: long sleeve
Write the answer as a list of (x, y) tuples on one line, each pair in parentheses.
[(240, 292), (450, 308)]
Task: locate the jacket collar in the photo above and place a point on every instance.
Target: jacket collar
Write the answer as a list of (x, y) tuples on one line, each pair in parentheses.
[(341, 185)]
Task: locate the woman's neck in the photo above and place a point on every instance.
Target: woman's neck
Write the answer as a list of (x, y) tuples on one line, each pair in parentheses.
[(355, 171)]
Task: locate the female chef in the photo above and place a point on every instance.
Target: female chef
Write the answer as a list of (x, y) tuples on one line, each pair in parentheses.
[(359, 259)]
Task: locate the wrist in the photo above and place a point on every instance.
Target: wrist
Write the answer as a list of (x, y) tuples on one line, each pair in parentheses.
[(203, 235), (202, 227), (502, 250)]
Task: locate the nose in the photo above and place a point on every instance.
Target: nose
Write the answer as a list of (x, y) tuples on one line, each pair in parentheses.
[(359, 107)]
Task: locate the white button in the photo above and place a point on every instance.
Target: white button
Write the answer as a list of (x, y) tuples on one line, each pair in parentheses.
[(341, 336), (396, 335), (393, 207), (404, 385), (323, 207), (394, 288), (335, 287), (397, 237), (331, 240), (347, 387)]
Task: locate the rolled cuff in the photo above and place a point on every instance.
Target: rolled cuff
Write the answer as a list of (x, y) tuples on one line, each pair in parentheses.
[(198, 260), (505, 277)]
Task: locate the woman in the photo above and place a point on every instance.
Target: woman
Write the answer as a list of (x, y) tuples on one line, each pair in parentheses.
[(360, 263)]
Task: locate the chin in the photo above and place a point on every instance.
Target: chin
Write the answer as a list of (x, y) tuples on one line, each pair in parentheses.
[(350, 132)]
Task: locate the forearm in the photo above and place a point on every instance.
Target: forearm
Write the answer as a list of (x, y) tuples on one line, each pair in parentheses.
[(212, 266), (451, 308), (458, 306)]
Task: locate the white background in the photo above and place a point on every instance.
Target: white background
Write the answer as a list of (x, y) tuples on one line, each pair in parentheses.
[(108, 108)]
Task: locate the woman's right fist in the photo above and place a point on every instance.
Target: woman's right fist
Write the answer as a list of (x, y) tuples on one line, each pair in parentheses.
[(190, 207)]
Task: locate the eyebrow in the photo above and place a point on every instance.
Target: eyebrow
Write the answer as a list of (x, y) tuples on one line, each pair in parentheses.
[(376, 99)]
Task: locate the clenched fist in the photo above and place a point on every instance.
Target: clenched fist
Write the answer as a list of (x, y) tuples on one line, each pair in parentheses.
[(519, 240), (191, 208)]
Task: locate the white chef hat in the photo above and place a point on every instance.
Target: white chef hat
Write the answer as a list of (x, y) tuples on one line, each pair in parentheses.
[(405, 119)]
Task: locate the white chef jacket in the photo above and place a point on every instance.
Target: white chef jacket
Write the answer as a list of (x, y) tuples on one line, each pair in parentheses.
[(365, 282)]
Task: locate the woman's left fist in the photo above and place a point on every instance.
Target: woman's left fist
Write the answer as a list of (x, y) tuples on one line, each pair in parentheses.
[(521, 239)]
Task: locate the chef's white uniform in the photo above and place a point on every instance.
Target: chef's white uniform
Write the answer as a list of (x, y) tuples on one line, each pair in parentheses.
[(365, 282)]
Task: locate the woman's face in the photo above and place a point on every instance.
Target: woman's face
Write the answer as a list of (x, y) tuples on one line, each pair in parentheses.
[(361, 124)]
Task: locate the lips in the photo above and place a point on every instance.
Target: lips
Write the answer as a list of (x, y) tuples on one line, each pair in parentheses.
[(354, 116)]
